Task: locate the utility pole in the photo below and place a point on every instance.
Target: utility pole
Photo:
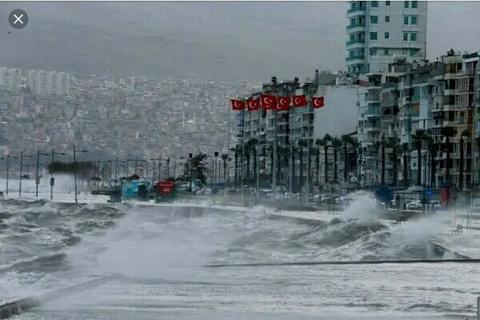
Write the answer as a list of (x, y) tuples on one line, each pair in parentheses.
[(116, 170), (8, 163), (241, 157), (275, 151), (190, 157), (167, 172), (52, 181), (159, 167), (215, 165), (75, 172), (20, 177), (37, 178)]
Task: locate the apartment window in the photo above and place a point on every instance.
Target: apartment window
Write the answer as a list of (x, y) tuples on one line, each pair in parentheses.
[(405, 36), (385, 52), (413, 20), (374, 4), (414, 4), (373, 51), (387, 3), (387, 35), (413, 36), (405, 20), (373, 36), (373, 19), (413, 52), (405, 4), (387, 18)]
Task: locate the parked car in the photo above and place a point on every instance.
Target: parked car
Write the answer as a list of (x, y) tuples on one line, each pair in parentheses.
[(436, 204), (414, 205)]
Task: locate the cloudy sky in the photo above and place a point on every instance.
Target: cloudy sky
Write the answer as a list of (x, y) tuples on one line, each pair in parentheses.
[(213, 40)]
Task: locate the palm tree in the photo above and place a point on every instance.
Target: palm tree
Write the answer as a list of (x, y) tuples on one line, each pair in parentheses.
[(291, 153), (336, 143), (405, 151), (347, 141), (283, 154), (248, 151), (301, 145), (432, 149), (418, 137), (325, 141), (393, 144), (253, 147), (318, 143), (465, 134), (237, 151)]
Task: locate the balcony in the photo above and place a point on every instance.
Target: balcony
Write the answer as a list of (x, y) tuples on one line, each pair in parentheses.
[(356, 11), (357, 57), (355, 41)]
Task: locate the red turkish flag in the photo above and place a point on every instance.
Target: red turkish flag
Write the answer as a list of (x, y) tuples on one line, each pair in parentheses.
[(299, 101), (253, 104), (237, 105), (283, 103), (317, 102), (268, 101)]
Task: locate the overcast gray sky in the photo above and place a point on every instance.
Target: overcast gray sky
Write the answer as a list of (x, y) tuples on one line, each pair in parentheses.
[(214, 40)]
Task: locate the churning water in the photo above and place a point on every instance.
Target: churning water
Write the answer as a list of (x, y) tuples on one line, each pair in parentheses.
[(153, 263)]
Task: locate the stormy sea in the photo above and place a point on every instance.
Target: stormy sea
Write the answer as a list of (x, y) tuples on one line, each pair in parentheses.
[(184, 261)]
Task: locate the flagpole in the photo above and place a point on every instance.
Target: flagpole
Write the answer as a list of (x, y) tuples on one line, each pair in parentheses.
[(309, 164), (257, 169), (242, 156)]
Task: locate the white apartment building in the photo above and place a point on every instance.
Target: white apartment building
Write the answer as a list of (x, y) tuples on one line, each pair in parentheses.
[(380, 31), (10, 79), (43, 82)]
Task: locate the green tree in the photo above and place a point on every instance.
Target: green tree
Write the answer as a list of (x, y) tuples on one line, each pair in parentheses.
[(197, 167), (418, 137), (325, 141), (336, 144)]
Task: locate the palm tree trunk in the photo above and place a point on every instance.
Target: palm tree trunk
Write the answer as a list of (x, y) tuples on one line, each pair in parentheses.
[(394, 176), (432, 166), (271, 166), (405, 169), (301, 170), (419, 162), (236, 166), (317, 165), (382, 180), (335, 168), (345, 162), (293, 171), (309, 170), (255, 161), (461, 165), (248, 166), (447, 160), (325, 151)]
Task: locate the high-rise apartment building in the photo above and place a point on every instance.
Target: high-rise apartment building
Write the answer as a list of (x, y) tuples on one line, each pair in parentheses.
[(380, 31)]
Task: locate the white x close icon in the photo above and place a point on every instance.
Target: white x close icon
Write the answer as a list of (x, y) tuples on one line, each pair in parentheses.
[(18, 18)]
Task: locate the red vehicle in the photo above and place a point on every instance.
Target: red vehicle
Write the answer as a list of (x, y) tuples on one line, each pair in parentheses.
[(165, 189)]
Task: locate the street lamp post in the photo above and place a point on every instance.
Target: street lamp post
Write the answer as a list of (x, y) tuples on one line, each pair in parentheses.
[(7, 169), (52, 179), (159, 168), (215, 164), (21, 172), (167, 172), (75, 170), (37, 176), (190, 158)]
